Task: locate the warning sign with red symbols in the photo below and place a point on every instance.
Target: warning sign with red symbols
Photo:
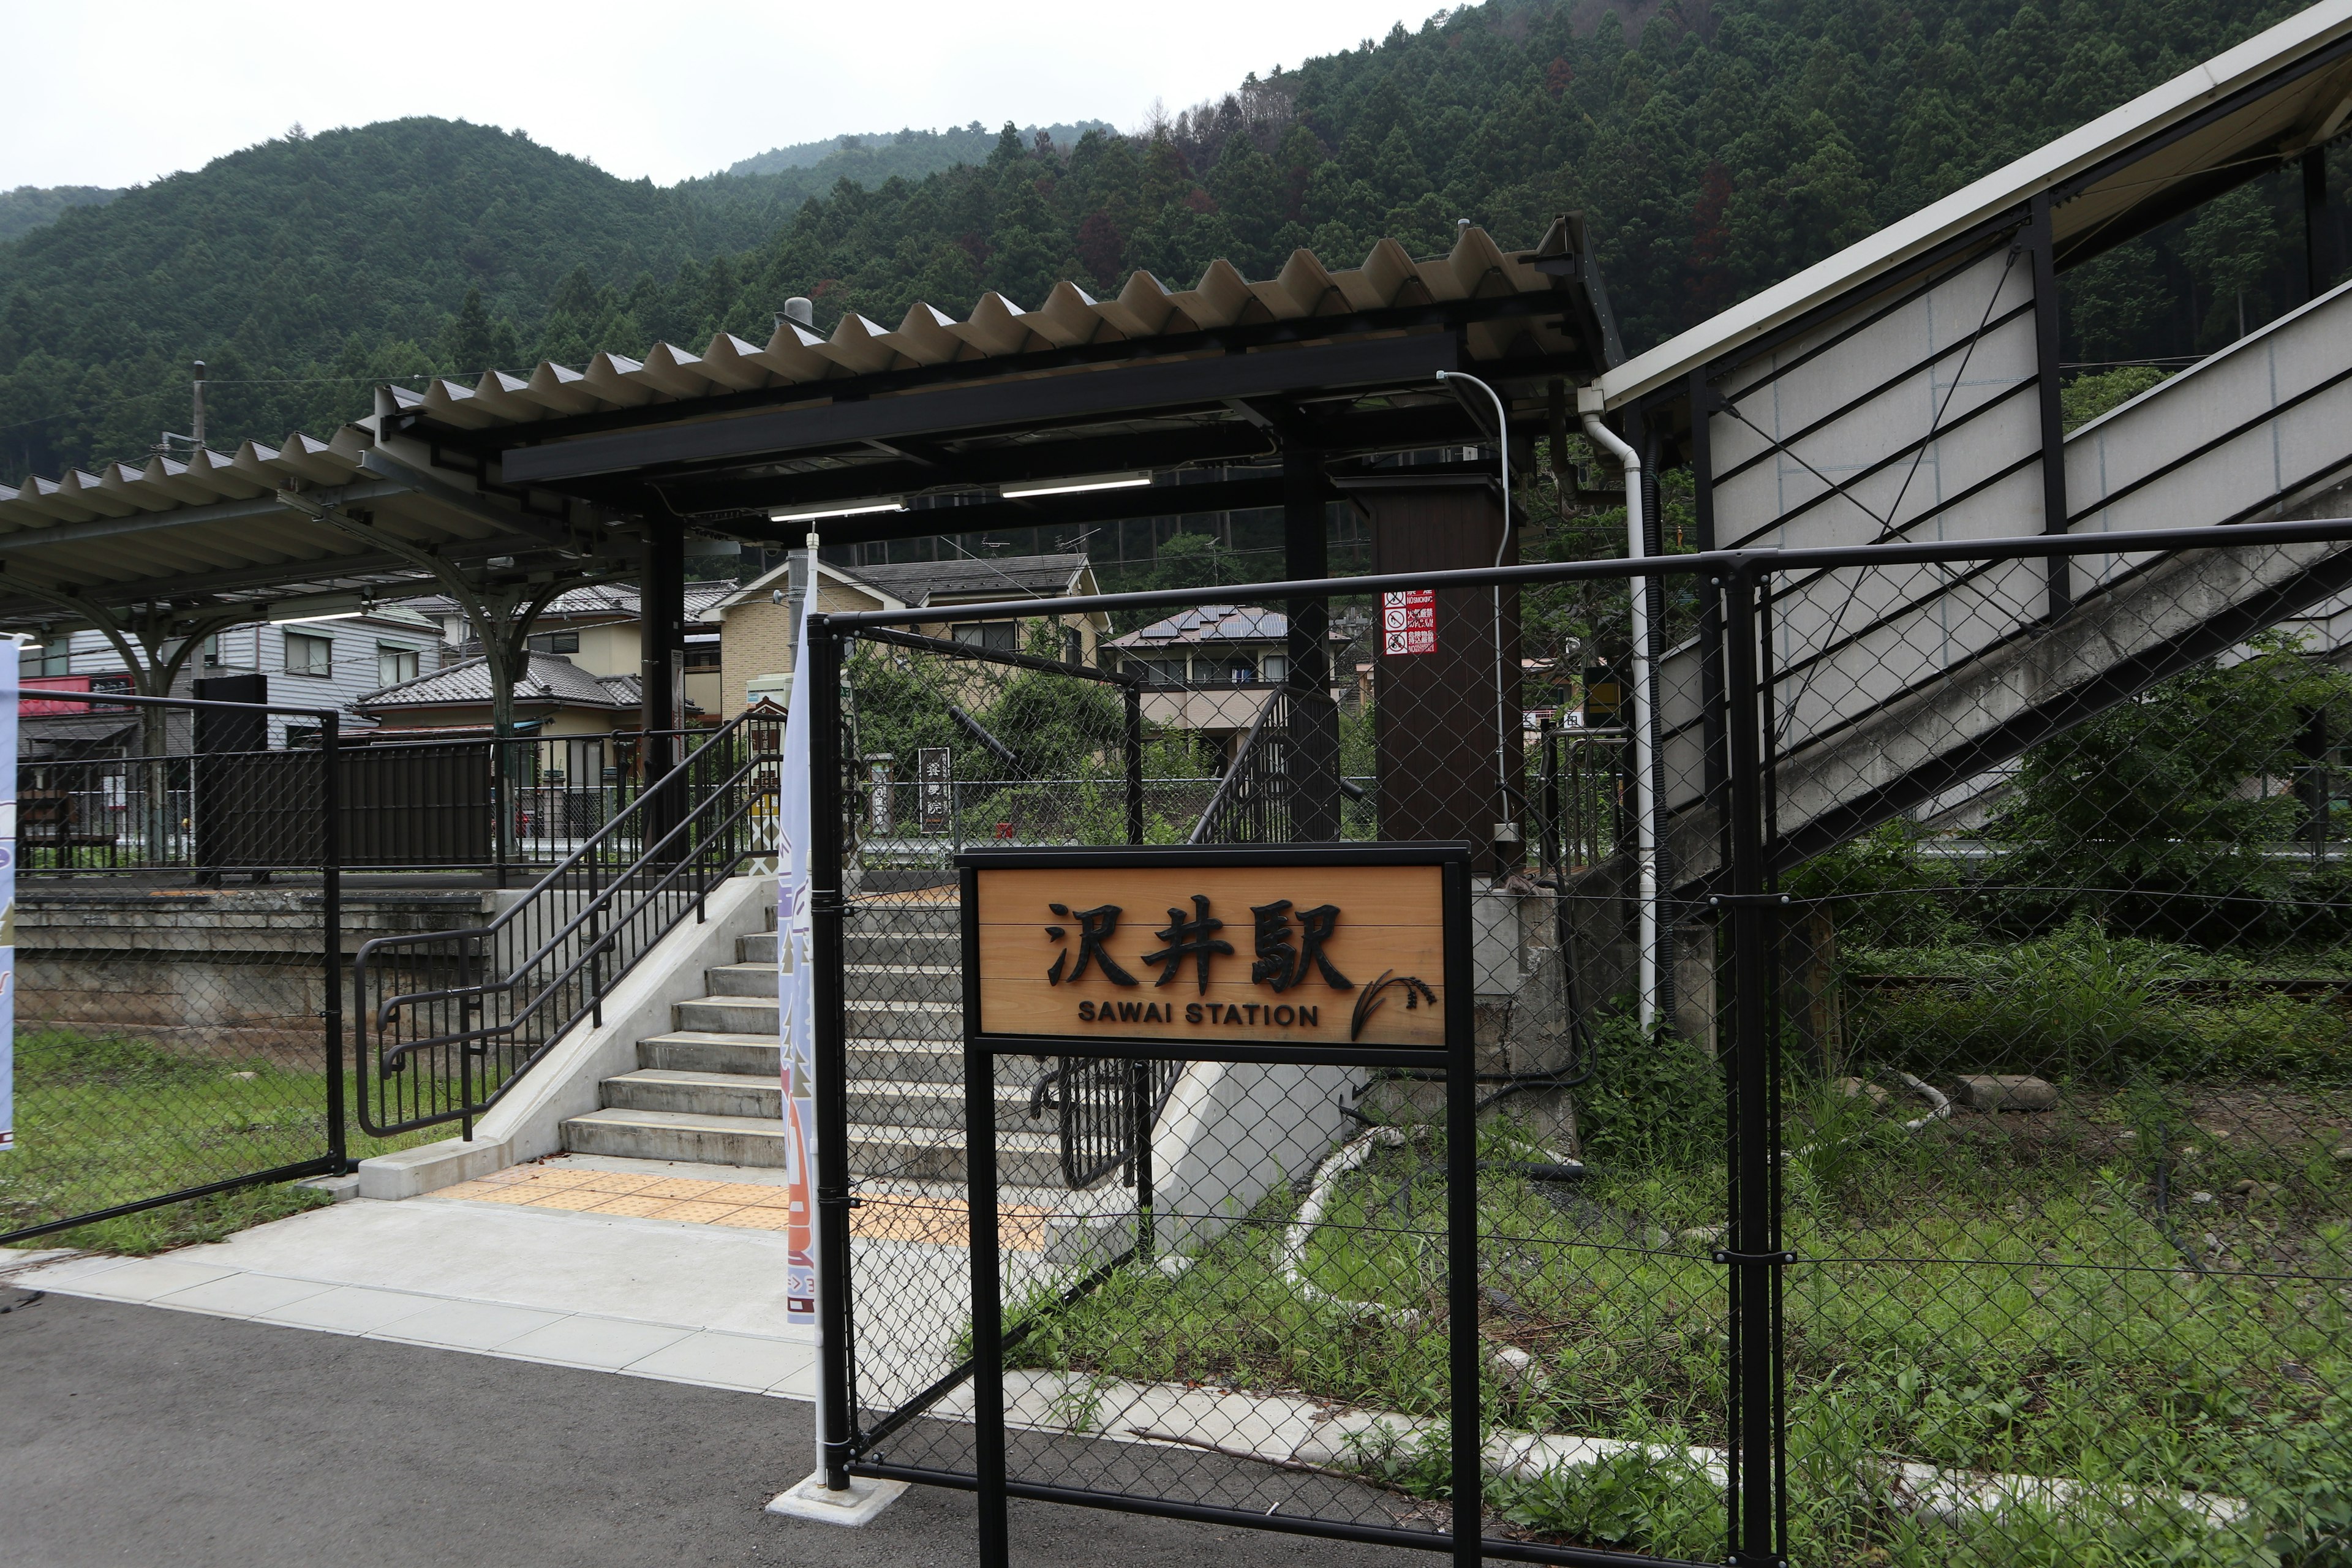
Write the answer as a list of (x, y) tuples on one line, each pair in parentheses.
[(1409, 621)]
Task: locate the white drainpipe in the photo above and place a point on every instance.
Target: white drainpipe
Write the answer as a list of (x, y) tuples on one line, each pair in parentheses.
[(1589, 404)]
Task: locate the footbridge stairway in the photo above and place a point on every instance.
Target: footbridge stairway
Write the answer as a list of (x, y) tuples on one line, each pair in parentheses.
[(708, 1091), (1917, 416)]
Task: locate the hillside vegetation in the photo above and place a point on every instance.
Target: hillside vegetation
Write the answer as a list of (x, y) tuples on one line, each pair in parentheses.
[(1730, 144)]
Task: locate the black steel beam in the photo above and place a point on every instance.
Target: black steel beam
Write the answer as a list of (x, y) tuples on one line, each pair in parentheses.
[(1040, 511), (1359, 430), (1002, 404)]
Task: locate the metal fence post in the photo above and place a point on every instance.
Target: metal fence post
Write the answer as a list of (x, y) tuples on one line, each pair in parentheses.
[(330, 865), (1754, 1256), (827, 911), (1465, 1356), (1134, 747)]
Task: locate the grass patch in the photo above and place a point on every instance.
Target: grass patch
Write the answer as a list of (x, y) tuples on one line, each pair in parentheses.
[(1991, 1294), (105, 1119)]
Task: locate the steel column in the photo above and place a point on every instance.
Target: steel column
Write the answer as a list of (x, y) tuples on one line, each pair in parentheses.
[(2315, 271), (330, 869), (661, 629), (1314, 749), (828, 909), (2040, 238)]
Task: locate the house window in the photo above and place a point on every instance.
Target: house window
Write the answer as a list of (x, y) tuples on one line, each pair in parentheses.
[(307, 655), (1276, 666), (1157, 671), (302, 738), (702, 656), (394, 664), (1239, 672), (555, 642), (997, 637), (57, 658)]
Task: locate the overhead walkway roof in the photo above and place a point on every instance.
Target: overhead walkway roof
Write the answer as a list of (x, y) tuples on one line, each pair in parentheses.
[(2238, 115)]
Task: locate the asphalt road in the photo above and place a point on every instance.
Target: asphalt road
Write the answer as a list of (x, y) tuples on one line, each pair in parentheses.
[(137, 1434)]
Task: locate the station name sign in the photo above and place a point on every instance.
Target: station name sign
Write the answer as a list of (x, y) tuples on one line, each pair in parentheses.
[(1202, 948)]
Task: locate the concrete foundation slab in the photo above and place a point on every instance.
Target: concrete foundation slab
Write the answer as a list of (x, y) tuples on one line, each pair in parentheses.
[(855, 1507)]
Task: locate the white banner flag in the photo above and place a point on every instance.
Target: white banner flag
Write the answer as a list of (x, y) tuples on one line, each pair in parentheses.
[(796, 993), (9, 651)]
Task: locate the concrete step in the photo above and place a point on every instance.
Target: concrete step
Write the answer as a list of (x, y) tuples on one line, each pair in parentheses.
[(742, 980), (913, 1061), (728, 1014), (941, 1021), (692, 1050), (759, 947), (934, 1154), (903, 983), (696, 1093), (678, 1135), (940, 1106), (859, 946), (905, 920)]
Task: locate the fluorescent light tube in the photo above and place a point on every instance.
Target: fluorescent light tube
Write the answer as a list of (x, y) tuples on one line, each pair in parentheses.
[(1071, 487)]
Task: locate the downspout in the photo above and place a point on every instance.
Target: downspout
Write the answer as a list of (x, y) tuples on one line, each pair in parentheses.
[(1645, 853), (1505, 816)]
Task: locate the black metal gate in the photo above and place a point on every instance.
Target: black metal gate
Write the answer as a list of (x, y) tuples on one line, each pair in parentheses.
[(1767, 1279)]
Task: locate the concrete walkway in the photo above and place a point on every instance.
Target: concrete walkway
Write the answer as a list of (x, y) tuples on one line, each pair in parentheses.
[(686, 1303)]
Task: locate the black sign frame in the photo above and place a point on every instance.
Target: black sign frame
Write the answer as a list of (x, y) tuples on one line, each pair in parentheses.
[(1456, 1003)]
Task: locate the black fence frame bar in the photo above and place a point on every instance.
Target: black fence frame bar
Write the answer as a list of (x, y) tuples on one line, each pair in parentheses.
[(337, 1160), (1895, 552)]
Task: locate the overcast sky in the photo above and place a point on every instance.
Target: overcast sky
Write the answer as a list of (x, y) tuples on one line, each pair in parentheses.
[(113, 93)]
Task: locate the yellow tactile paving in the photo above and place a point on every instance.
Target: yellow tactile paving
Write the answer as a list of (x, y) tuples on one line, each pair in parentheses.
[(577, 1199), (741, 1205), (674, 1187)]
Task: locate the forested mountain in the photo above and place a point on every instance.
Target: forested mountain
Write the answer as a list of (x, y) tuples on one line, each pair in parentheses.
[(1728, 145), (871, 160), (27, 208)]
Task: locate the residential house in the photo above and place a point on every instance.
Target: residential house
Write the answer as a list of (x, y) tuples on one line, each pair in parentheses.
[(755, 635), (326, 662), (599, 629), (1213, 667)]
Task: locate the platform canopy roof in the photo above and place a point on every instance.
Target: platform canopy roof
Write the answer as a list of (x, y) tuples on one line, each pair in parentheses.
[(2241, 115), (1229, 371), (563, 470), (244, 528)]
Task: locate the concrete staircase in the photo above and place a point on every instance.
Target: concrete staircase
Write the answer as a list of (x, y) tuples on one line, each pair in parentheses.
[(708, 1091)]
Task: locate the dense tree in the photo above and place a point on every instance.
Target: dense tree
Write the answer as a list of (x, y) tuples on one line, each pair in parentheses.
[(1714, 151)]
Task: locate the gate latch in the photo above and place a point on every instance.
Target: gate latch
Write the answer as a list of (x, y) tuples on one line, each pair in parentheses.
[(1723, 1256)]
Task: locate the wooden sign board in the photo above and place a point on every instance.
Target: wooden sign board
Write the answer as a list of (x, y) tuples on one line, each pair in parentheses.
[(1327, 950)]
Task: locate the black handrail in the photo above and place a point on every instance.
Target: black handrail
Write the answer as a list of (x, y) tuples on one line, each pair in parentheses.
[(1238, 790), (520, 1008)]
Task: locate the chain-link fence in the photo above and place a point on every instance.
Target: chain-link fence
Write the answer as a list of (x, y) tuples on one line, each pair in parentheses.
[(174, 1038), (1225, 1285), (1976, 1190), (2066, 1061)]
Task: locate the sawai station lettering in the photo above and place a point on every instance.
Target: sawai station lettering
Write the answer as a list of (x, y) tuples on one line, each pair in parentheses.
[(1312, 953)]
